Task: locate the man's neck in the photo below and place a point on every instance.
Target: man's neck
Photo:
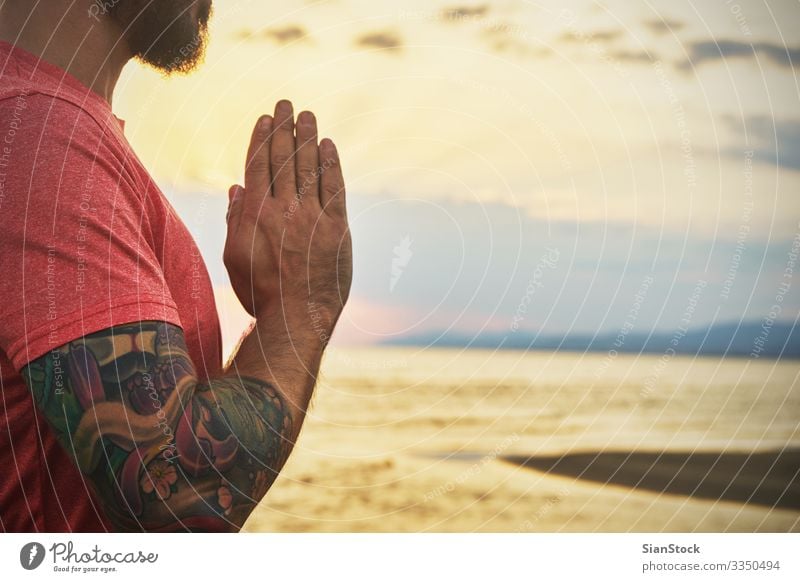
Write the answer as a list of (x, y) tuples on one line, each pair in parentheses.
[(65, 34)]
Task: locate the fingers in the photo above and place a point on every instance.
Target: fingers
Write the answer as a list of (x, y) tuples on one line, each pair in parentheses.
[(257, 174), (291, 169), (307, 157), (283, 153), (235, 195), (332, 194)]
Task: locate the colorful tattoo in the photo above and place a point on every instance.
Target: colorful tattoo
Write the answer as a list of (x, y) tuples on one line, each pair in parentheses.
[(162, 451)]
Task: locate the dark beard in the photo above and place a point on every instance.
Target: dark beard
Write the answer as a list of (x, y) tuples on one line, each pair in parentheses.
[(165, 34)]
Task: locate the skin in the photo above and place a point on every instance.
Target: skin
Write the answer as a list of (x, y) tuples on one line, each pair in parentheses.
[(94, 43), (162, 450)]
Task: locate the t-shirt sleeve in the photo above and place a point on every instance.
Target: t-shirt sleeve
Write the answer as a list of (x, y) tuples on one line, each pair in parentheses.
[(76, 256)]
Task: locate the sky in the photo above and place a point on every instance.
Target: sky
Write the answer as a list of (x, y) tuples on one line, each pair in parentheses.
[(511, 165)]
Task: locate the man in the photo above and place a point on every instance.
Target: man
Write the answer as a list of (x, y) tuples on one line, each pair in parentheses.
[(117, 411)]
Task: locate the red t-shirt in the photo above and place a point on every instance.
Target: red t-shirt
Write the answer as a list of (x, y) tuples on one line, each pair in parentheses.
[(87, 242)]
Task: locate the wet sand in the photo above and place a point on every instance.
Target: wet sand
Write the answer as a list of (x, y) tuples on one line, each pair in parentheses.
[(765, 478)]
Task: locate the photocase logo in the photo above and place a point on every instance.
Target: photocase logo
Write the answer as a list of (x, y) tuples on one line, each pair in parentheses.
[(31, 555), (402, 256)]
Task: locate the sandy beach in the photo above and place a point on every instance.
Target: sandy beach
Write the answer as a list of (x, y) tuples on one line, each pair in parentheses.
[(406, 441)]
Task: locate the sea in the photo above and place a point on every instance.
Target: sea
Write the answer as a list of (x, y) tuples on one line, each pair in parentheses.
[(416, 440)]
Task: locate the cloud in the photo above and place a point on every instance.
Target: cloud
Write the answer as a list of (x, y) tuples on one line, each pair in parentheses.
[(604, 36), (462, 13), (624, 56), (595, 39), (663, 26), (282, 35), (710, 50), (510, 38), (244, 34), (386, 40), (286, 34), (773, 141)]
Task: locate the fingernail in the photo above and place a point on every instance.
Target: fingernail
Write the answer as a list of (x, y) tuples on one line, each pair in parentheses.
[(265, 123), (327, 147), (285, 107), (305, 118)]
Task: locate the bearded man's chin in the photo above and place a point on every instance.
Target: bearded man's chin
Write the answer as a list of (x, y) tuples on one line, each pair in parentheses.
[(169, 36)]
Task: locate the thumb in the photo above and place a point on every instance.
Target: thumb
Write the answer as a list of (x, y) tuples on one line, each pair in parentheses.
[(235, 196)]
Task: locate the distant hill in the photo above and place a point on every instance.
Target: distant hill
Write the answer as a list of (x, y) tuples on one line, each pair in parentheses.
[(731, 339)]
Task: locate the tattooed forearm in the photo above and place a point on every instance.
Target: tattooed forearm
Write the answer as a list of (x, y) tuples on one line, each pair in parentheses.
[(163, 451)]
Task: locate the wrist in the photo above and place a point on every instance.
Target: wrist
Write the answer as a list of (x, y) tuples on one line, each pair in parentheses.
[(298, 319), (321, 319)]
